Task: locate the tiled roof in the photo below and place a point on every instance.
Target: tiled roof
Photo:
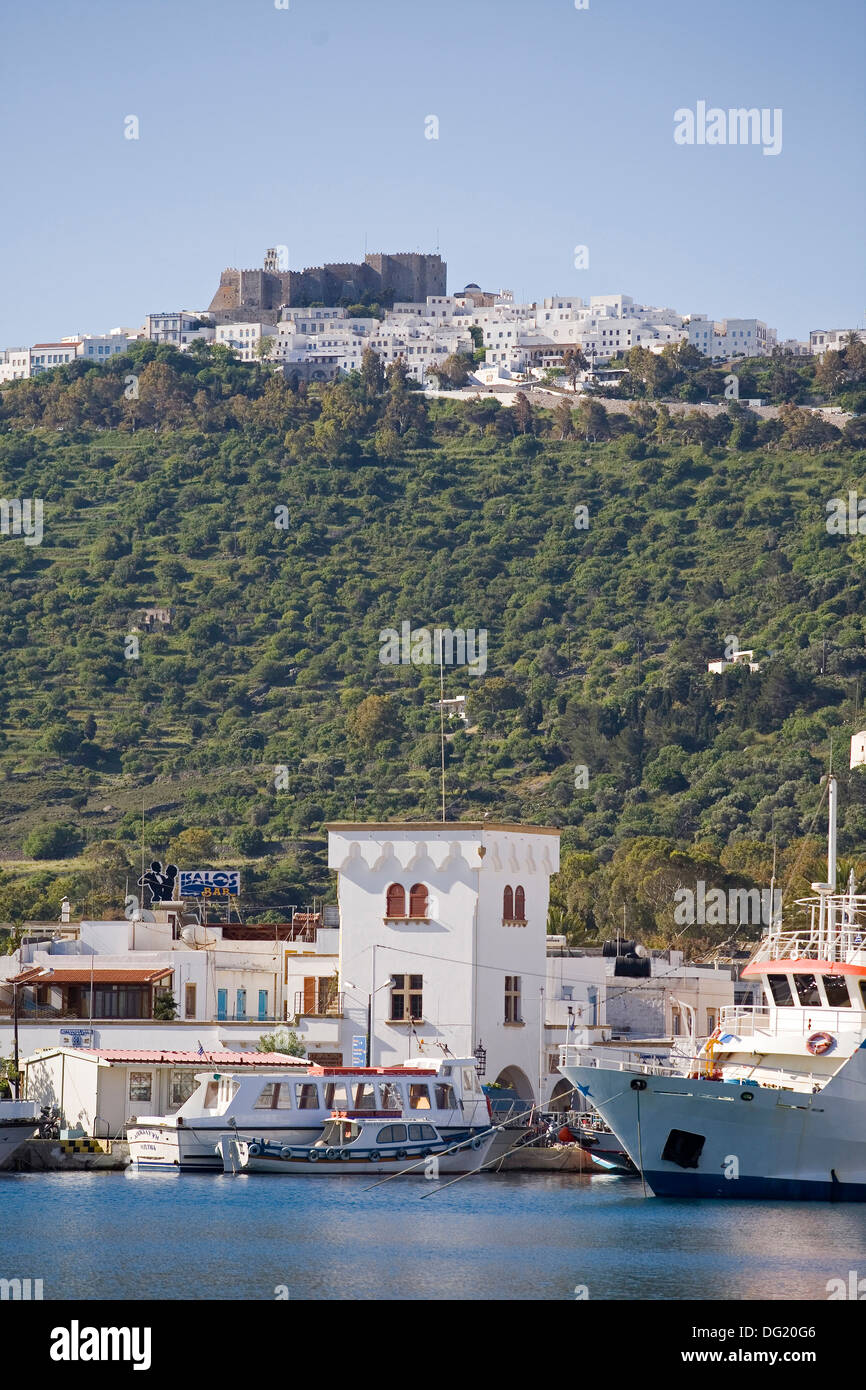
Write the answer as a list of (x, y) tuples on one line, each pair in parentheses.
[(223, 1059), (99, 975)]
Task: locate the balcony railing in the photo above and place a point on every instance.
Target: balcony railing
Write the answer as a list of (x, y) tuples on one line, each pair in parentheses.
[(330, 1007)]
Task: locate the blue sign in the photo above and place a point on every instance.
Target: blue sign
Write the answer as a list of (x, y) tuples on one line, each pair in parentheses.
[(359, 1051), (210, 883)]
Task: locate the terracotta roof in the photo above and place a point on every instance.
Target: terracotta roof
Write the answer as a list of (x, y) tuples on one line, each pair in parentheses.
[(99, 975), (204, 1059)]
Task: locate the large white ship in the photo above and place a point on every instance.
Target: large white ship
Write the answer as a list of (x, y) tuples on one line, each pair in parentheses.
[(775, 1104)]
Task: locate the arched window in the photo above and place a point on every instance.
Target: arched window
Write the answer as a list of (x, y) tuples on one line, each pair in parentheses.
[(417, 900), (395, 901), (519, 905), (508, 906)]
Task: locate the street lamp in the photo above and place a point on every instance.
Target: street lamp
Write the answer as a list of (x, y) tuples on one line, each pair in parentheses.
[(384, 985), (480, 1055)]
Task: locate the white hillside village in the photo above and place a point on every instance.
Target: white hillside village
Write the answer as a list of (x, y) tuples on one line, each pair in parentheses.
[(520, 340)]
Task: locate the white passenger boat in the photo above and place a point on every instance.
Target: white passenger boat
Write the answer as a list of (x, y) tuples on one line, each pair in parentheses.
[(19, 1120), (359, 1146), (293, 1108), (775, 1105)]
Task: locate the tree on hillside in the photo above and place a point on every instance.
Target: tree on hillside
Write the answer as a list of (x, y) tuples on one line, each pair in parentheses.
[(574, 362), (372, 374), (192, 848)]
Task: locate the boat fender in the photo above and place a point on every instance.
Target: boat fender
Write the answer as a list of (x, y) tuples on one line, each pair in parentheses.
[(254, 1149), (401, 1153), (285, 1152), (476, 1144), (819, 1043), (313, 1155)]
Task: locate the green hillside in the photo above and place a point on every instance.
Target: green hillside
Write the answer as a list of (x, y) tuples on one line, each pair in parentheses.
[(286, 529)]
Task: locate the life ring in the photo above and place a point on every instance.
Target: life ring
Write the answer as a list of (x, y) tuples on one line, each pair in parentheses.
[(476, 1144), (254, 1149), (819, 1043), (332, 1153), (401, 1153), (313, 1155), (343, 1153), (374, 1156), (285, 1152)]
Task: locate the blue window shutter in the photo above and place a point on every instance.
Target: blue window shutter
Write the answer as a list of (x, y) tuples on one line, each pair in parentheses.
[(263, 1003), (241, 1010), (222, 1002)]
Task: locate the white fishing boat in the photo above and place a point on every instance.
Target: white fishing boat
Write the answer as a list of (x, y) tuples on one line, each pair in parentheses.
[(19, 1120), (293, 1108), (775, 1104), (359, 1146)]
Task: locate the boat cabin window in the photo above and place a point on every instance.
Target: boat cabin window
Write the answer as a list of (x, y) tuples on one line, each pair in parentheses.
[(807, 990), (307, 1094), (218, 1094), (445, 1097), (836, 989), (391, 1097), (277, 1095), (470, 1082), (780, 988), (392, 1134), (863, 992), (422, 1132), (336, 1095), (419, 1096), (365, 1096)]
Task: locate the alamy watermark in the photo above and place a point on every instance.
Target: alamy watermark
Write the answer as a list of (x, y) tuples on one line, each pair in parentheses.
[(737, 126), (445, 646), (22, 517), (716, 908), (846, 517)]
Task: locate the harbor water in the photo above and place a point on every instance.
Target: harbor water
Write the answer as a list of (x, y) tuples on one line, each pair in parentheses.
[(509, 1236)]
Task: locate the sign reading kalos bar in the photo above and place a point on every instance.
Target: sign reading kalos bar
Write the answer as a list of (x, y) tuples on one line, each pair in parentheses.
[(210, 883)]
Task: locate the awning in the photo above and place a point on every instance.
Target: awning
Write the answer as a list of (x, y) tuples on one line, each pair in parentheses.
[(99, 976)]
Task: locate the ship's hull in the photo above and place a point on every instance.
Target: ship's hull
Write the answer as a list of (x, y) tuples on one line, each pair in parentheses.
[(704, 1138)]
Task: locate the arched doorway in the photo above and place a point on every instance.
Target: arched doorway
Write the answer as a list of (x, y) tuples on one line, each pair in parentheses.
[(562, 1096), (517, 1081)]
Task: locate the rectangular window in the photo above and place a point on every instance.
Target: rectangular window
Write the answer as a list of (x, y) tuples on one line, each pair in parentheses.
[(406, 998), (807, 990), (336, 1095), (392, 1098), (836, 987), (419, 1096), (445, 1097), (268, 1096), (780, 988), (189, 1001), (183, 1083), (512, 999), (140, 1085), (365, 1096), (307, 1095)]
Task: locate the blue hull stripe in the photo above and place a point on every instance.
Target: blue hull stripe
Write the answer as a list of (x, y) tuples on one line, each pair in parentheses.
[(682, 1184)]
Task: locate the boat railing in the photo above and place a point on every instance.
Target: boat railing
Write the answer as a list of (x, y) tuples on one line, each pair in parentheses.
[(571, 1055), (841, 941), (745, 1020)]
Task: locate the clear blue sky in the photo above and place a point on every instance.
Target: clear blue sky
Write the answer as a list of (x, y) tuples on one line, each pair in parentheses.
[(305, 127)]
